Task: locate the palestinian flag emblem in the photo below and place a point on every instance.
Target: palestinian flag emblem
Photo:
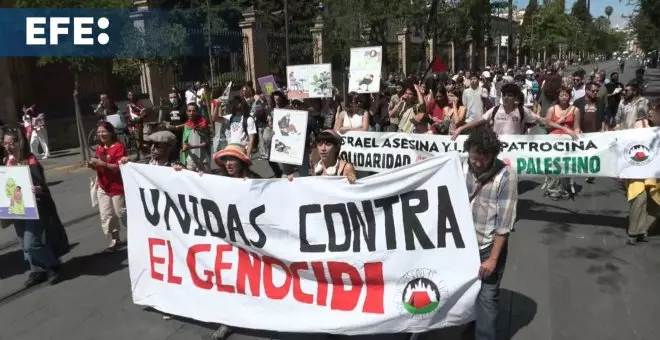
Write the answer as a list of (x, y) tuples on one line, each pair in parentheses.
[(420, 296)]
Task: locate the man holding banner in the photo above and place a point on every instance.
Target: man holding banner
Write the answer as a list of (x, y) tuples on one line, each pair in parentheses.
[(489, 182)]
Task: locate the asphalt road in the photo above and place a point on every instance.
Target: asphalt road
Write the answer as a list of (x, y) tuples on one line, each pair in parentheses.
[(569, 276)]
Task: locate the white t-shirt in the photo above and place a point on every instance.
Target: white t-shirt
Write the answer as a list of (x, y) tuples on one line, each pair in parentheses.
[(509, 123), (236, 133)]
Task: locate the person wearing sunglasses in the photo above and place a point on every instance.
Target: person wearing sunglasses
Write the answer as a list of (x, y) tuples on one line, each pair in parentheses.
[(578, 86), (162, 146)]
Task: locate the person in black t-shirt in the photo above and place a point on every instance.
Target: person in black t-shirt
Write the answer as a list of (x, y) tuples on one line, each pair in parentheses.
[(614, 92)]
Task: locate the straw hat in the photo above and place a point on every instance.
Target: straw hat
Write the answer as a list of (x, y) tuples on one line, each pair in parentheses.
[(233, 150)]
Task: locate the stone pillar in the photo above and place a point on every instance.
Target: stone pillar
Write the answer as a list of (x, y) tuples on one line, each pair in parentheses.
[(430, 48), (255, 49), (154, 80), (321, 41), (404, 50)]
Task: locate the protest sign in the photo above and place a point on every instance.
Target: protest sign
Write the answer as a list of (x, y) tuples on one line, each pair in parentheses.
[(365, 69), (624, 154), (395, 252), (309, 81), (17, 202), (289, 136)]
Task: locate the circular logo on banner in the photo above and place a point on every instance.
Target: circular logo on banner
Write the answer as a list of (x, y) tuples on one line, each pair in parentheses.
[(420, 293), (638, 154)]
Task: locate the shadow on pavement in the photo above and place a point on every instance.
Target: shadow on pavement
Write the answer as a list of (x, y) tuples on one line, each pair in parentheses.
[(98, 264), (13, 263), (54, 183), (530, 210), (516, 312), (525, 186)]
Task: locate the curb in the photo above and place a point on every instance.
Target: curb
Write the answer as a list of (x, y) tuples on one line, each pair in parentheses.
[(67, 167)]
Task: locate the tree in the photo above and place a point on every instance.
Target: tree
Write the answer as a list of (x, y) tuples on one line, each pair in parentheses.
[(132, 40), (608, 11), (527, 28), (580, 12), (646, 23)]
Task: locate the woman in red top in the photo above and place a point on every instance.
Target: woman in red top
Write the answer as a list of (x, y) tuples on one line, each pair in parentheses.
[(564, 114), (112, 205)]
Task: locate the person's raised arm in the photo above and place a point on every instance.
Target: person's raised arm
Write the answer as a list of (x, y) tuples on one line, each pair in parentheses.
[(474, 123)]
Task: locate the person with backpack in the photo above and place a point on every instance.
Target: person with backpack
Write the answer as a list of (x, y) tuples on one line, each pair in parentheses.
[(511, 118)]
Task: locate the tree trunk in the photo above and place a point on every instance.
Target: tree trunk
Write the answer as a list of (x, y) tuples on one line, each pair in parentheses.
[(82, 137)]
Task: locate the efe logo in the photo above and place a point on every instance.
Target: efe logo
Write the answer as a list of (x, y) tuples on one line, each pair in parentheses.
[(82, 29)]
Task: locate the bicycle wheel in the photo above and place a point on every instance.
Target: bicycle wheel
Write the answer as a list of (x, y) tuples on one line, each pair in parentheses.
[(92, 141)]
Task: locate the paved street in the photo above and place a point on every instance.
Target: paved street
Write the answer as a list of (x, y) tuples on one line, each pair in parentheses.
[(569, 275)]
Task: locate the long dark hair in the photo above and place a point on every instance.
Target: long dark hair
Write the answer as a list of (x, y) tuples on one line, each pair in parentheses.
[(551, 87), (243, 110), (22, 144)]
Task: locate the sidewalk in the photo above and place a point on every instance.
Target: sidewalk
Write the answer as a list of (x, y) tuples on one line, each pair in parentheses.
[(66, 159)]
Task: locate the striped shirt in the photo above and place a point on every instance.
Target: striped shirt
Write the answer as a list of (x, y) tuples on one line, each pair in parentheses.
[(494, 207)]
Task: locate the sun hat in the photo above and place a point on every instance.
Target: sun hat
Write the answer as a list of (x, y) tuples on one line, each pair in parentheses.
[(232, 150), (330, 135)]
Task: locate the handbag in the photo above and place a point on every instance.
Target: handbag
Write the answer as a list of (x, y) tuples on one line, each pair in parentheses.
[(93, 191)]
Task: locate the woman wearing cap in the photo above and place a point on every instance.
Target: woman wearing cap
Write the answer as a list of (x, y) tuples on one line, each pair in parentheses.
[(328, 145)]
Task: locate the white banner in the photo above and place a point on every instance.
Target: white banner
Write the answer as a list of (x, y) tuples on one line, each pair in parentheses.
[(395, 252), (624, 154)]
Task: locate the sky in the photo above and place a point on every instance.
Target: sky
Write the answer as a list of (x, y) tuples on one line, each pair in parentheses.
[(597, 9)]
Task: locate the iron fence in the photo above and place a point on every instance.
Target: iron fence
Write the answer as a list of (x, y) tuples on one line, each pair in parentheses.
[(300, 52), (227, 59)]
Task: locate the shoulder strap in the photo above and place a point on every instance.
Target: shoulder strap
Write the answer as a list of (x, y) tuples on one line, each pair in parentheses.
[(492, 116)]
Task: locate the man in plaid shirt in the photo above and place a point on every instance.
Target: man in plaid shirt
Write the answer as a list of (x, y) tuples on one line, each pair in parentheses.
[(490, 183)]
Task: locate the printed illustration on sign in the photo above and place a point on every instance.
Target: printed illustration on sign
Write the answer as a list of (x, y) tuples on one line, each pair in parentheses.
[(420, 293), (639, 154), (365, 69), (18, 201), (309, 81), (289, 136)]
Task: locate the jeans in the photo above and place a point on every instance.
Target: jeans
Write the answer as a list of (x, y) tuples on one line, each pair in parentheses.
[(35, 250), (487, 306)]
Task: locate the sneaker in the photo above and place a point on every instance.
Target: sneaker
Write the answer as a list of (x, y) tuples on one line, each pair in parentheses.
[(36, 278), (643, 238), (632, 241)]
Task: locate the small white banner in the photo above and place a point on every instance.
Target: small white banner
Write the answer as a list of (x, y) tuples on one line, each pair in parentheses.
[(395, 252), (623, 154)]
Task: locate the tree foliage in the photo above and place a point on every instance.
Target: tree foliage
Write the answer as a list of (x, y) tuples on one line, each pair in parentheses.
[(646, 23)]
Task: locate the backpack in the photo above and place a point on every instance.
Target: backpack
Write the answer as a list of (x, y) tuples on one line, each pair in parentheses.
[(521, 112)]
